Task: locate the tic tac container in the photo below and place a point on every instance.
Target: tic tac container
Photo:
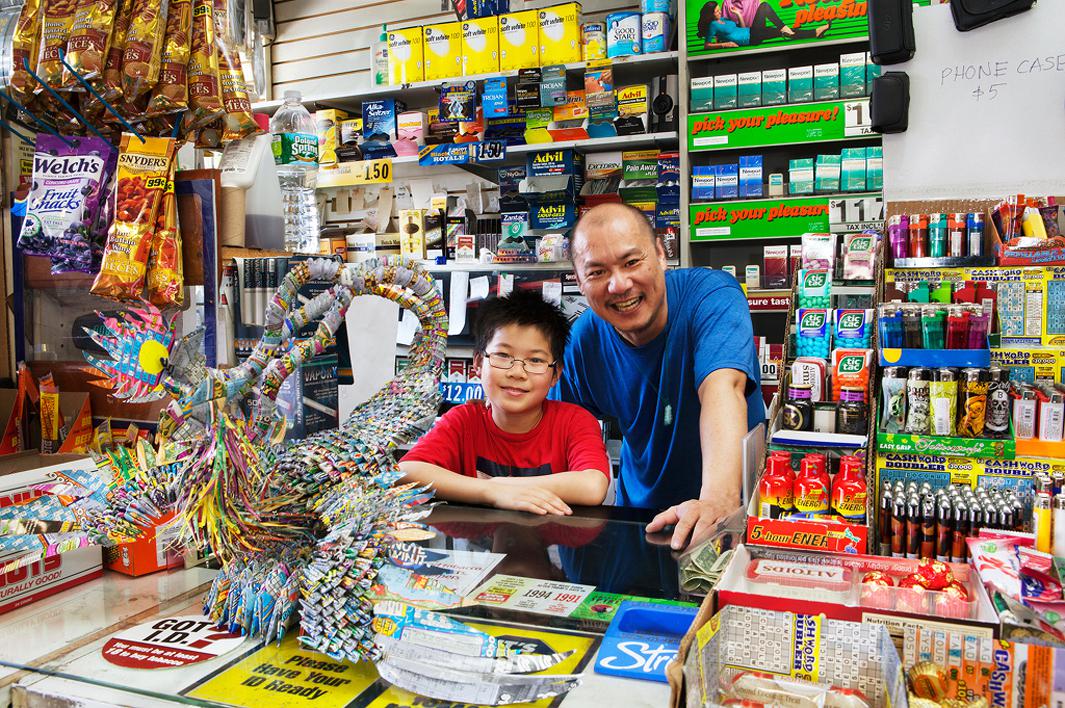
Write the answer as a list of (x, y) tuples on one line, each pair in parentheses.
[(655, 32), (624, 34)]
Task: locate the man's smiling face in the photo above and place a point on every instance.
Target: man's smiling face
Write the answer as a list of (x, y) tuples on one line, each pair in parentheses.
[(620, 266)]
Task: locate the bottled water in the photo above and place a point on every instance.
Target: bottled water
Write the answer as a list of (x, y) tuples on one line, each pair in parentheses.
[(295, 147)]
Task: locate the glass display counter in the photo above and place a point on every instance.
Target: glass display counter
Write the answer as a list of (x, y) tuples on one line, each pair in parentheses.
[(53, 653)]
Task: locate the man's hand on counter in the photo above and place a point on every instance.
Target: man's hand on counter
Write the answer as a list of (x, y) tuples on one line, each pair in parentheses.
[(693, 520)]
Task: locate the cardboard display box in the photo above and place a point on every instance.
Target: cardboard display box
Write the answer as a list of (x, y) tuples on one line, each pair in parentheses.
[(153, 552), (18, 473), (805, 647)]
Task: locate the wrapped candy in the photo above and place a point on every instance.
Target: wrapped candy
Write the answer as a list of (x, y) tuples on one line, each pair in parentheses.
[(877, 591), (933, 574)]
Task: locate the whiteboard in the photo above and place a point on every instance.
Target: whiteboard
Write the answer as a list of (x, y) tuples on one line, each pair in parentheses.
[(987, 109)]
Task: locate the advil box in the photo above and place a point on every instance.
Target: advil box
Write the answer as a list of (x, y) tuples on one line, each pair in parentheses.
[(152, 552), (19, 473)]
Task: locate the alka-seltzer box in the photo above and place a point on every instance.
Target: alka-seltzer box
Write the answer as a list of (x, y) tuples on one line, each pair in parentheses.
[(519, 40), (751, 175), (852, 75), (560, 33), (749, 89), (379, 119), (443, 50), (774, 87), (20, 473), (724, 92), (406, 57), (826, 82), (702, 98), (800, 84), (480, 46)]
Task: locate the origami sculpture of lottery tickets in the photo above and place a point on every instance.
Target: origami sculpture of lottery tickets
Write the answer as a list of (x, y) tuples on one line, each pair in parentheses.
[(301, 529)]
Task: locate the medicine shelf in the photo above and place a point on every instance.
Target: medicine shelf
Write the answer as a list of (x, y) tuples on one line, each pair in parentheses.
[(422, 92)]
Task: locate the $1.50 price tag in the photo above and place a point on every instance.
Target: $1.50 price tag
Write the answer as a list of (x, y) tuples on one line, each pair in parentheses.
[(350, 174), (489, 151)]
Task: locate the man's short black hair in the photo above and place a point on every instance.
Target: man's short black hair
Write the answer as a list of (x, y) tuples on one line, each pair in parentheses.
[(527, 309), (595, 217)]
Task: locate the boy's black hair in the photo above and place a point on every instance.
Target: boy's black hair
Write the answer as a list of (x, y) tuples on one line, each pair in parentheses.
[(525, 308)]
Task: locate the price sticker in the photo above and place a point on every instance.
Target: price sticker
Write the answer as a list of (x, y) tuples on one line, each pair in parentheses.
[(490, 151), (350, 174), (858, 119)]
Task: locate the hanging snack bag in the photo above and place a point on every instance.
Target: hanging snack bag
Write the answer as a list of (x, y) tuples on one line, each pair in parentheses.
[(24, 48), (143, 171), (171, 94), (74, 249), (111, 89), (66, 178), (89, 38), (140, 59), (205, 98), (166, 282), (238, 120), (57, 17)]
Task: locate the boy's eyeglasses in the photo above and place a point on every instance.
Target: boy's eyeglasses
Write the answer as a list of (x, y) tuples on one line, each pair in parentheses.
[(499, 360)]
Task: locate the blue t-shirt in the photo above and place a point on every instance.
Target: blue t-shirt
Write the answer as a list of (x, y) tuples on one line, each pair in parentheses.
[(708, 328), (729, 31)]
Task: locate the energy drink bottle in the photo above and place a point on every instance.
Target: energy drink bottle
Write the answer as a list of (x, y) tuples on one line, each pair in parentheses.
[(849, 490), (776, 490), (812, 486)]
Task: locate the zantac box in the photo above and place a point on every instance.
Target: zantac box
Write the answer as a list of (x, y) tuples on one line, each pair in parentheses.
[(18, 474)]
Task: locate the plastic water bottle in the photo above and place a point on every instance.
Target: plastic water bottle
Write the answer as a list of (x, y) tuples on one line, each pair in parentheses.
[(380, 58), (295, 147)]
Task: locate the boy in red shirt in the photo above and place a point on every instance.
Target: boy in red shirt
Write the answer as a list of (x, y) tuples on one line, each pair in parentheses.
[(515, 450)]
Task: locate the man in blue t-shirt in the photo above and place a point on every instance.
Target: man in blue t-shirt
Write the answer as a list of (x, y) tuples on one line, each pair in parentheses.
[(671, 356)]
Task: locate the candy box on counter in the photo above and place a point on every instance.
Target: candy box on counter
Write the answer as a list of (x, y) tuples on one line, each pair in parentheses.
[(890, 591), (749, 656)]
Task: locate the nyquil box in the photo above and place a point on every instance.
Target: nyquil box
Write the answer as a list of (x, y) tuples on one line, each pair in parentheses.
[(19, 474)]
